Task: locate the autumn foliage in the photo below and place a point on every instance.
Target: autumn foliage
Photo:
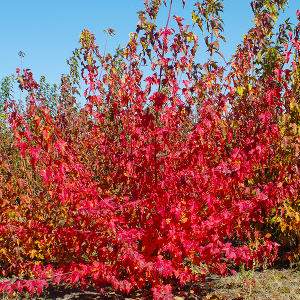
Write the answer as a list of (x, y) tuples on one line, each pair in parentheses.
[(160, 178)]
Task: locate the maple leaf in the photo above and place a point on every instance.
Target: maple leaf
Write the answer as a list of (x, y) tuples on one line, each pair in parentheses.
[(19, 285), (30, 286), (162, 292), (4, 285), (74, 278), (40, 284)]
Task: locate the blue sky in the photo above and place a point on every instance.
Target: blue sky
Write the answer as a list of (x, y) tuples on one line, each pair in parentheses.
[(48, 31)]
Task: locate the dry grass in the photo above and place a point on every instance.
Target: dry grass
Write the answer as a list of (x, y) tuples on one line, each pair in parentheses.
[(268, 284)]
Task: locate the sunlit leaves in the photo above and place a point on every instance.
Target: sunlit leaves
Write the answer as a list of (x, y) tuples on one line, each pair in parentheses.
[(156, 175)]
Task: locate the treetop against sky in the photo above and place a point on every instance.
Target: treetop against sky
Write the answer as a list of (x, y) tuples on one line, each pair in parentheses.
[(48, 31)]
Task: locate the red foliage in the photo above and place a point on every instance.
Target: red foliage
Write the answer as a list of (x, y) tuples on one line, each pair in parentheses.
[(148, 179)]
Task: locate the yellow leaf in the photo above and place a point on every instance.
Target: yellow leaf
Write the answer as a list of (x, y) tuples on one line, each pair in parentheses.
[(240, 90), (184, 220), (32, 253)]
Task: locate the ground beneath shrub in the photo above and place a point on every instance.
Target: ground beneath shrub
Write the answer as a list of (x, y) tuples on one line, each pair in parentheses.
[(269, 284)]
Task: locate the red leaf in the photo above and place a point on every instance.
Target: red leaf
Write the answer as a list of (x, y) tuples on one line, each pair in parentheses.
[(19, 285), (30, 286), (74, 278), (40, 284), (162, 292)]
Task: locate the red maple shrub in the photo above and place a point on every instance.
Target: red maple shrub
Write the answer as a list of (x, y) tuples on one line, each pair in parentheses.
[(154, 176)]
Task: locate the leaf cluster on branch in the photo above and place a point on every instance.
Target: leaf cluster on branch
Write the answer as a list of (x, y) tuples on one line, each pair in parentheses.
[(188, 167)]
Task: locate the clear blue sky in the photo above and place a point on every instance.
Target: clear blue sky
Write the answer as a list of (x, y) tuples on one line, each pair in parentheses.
[(48, 31)]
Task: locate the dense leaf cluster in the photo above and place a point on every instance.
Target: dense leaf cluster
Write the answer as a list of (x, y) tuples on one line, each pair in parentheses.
[(158, 179)]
